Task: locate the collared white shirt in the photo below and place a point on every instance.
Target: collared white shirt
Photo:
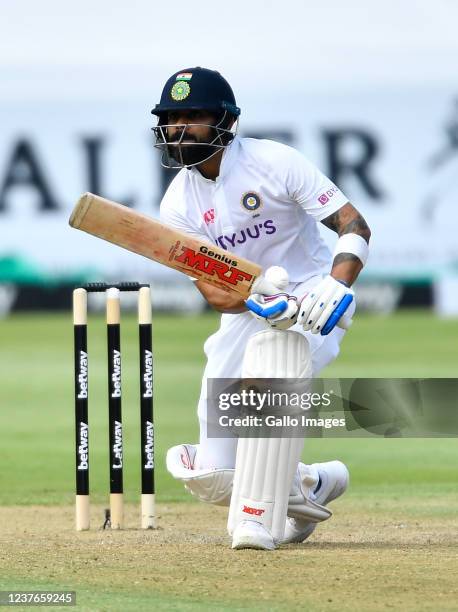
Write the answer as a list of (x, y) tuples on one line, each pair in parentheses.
[(264, 206)]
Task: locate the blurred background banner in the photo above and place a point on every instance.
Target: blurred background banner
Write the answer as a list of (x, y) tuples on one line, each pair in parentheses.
[(76, 117)]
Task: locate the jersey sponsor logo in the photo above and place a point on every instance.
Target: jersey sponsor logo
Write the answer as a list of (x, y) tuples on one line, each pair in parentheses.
[(209, 262), (251, 201), (209, 216), (327, 195), (228, 241), (180, 91), (253, 511)]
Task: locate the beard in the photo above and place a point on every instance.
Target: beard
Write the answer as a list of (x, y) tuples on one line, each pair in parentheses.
[(187, 154)]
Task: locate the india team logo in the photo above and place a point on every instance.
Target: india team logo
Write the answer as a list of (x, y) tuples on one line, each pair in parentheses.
[(180, 91), (251, 201)]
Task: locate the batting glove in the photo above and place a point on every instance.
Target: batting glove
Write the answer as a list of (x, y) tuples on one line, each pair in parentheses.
[(277, 311), (321, 309)]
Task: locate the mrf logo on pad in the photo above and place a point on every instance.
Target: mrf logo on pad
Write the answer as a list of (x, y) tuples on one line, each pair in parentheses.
[(253, 511), (209, 263)]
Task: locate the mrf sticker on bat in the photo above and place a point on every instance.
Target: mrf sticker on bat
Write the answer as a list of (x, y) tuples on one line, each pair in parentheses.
[(211, 263)]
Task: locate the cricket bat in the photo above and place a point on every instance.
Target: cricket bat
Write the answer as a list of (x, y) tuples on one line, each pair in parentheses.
[(154, 240), (145, 236)]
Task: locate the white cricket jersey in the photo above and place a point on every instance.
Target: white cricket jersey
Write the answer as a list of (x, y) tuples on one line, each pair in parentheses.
[(264, 206)]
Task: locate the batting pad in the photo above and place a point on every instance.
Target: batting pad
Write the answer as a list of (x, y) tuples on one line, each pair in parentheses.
[(265, 467)]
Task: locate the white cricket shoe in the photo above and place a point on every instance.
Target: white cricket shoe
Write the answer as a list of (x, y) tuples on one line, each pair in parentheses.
[(334, 478), (250, 534)]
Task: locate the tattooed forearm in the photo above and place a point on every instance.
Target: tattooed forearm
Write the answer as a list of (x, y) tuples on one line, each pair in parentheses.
[(347, 220), (357, 226)]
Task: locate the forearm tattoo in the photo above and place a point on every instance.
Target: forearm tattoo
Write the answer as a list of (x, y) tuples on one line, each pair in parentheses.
[(347, 220)]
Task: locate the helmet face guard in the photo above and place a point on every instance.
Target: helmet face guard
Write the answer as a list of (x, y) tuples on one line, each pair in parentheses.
[(180, 153), (195, 89)]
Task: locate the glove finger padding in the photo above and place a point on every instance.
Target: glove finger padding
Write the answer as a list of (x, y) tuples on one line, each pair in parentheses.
[(325, 307), (318, 306), (309, 301), (287, 318), (263, 307), (278, 311)]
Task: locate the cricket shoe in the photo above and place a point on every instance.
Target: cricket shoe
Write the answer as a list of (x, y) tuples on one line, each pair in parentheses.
[(251, 534), (210, 485), (333, 478), (188, 455)]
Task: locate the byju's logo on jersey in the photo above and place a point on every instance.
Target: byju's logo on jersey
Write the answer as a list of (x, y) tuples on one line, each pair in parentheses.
[(327, 195), (228, 241), (209, 216), (251, 201)]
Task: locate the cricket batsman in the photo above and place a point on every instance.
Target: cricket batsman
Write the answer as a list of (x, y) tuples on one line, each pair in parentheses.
[(263, 201)]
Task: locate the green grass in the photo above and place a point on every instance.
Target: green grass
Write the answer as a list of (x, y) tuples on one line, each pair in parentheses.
[(36, 398)]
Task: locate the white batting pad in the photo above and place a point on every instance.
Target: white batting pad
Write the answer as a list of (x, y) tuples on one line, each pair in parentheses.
[(265, 467)]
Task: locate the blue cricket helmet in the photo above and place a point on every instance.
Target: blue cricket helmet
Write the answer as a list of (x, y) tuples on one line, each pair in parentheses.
[(197, 89)]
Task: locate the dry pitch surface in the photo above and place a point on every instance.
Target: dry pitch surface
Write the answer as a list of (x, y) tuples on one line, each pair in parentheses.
[(371, 558)]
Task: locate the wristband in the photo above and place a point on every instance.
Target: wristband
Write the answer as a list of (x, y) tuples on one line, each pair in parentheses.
[(354, 244)]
